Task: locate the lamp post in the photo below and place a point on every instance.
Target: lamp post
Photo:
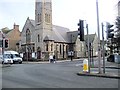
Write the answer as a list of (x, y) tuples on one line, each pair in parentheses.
[(98, 29), (71, 47), (103, 43), (88, 48), (27, 52)]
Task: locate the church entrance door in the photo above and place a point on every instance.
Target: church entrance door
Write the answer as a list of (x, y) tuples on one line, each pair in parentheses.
[(38, 53)]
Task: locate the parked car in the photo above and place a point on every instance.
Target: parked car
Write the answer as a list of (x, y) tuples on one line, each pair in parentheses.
[(111, 58), (7, 59), (15, 56), (1, 59)]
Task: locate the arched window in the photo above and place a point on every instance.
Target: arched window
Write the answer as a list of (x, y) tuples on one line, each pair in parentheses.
[(49, 18), (38, 38), (28, 36), (33, 49), (51, 47), (39, 18), (47, 47), (60, 49), (45, 17)]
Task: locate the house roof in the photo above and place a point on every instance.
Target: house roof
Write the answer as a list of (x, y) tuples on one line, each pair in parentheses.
[(6, 30), (72, 36)]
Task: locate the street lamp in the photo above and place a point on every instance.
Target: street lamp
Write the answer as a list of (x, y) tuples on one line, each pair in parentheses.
[(71, 47)]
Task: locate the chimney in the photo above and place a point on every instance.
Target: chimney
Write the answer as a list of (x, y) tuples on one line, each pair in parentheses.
[(16, 27)]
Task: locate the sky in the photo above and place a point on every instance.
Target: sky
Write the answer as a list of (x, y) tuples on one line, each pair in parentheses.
[(65, 13)]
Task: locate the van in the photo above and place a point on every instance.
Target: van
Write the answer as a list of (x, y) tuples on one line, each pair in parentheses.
[(15, 56)]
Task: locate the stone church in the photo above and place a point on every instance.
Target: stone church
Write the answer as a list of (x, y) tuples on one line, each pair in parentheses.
[(40, 38)]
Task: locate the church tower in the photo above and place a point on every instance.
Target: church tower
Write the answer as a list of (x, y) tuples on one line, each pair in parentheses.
[(43, 14), (43, 23)]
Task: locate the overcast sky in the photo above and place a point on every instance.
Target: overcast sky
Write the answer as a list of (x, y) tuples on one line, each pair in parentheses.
[(66, 13)]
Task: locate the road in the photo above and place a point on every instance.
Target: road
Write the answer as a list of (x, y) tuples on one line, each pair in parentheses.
[(52, 75)]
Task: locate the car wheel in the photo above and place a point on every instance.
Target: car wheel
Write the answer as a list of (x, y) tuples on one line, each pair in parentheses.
[(20, 62)]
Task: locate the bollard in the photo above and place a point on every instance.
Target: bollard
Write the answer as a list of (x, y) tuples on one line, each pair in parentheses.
[(85, 65)]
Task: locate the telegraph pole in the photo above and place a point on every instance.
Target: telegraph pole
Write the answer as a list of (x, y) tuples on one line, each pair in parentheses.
[(98, 28)]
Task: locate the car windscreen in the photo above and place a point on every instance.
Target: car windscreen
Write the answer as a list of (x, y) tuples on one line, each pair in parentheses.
[(7, 55), (16, 55)]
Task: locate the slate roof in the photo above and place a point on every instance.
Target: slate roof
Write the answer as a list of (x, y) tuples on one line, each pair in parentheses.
[(62, 34), (32, 22), (48, 38), (72, 36), (59, 33)]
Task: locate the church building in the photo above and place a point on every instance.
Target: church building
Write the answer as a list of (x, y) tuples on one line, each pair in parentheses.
[(41, 38)]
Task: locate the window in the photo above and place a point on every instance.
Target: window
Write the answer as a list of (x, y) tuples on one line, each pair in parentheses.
[(51, 47), (47, 18), (60, 50), (28, 36), (38, 38), (46, 47), (39, 18), (33, 49)]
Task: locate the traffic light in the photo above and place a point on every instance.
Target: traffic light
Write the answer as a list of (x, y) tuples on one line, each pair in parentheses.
[(81, 30), (109, 30), (6, 43)]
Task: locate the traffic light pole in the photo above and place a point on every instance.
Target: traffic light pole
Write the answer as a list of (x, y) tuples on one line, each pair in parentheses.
[(88, 48), (98, 28), (103, 48), (3, 48)]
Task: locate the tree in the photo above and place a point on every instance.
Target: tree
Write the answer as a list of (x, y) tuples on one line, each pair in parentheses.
[(5, 30)]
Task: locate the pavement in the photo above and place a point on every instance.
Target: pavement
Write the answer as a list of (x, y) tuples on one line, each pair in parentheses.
[(97, 74), (112, 70)]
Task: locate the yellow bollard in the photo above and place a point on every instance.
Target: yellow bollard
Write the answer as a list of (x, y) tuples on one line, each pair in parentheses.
[(85, 65)]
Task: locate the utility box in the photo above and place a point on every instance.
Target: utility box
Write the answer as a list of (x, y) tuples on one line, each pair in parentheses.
[(117, 58), (85, 65)]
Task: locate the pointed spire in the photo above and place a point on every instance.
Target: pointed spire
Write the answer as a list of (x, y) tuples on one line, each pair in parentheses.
[(16, 27), (28, 18)]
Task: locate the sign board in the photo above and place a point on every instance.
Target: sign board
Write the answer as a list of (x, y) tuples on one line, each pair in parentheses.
[(70, 53)]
